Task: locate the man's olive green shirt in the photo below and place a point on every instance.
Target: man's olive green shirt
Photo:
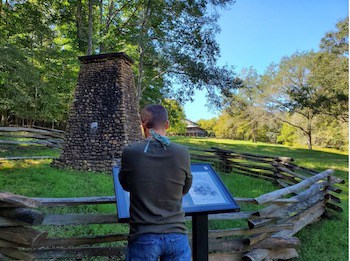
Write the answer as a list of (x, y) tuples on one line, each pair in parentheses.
[(156, 179)]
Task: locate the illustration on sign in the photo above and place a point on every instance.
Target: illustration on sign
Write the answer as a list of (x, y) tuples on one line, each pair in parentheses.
[(207, 195), (204, 191)]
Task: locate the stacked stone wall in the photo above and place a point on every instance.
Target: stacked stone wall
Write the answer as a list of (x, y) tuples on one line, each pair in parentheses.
[(104, 116)]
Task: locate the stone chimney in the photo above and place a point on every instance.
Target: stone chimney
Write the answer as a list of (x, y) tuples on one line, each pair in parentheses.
[(104, 115)]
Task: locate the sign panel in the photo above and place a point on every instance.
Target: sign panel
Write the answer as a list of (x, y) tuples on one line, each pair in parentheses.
[(207, 195)]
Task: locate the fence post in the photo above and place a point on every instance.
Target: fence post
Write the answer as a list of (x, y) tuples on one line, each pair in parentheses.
[(223, 157)]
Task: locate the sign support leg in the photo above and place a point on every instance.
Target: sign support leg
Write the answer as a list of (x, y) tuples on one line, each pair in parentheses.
[(200, 240)]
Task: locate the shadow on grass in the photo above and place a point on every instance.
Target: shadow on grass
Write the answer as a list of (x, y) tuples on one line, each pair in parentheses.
[(315, 159), (24, 150), (39, 179)]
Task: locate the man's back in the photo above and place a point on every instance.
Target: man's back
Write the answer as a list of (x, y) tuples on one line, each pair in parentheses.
[(156, 178)]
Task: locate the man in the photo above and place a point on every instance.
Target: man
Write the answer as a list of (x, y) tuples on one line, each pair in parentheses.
[(157, 174)]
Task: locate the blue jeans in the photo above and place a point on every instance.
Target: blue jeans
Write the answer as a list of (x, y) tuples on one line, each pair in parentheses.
[(167, 247)]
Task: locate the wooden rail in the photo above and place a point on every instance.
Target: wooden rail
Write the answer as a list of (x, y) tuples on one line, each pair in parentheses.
[(269, 232), (32, 137)]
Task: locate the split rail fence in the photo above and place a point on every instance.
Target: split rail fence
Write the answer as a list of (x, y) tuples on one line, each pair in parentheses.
[(269, 234), (31, 136)]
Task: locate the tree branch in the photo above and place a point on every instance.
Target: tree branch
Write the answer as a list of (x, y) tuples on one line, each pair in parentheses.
[(110, 17), (296, 126), (159, 74), (127, 21)]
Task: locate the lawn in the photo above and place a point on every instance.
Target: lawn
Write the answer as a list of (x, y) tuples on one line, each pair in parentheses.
[(324, 240)]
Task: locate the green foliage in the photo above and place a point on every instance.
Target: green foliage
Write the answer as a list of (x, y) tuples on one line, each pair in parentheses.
[(176, 116), (176, 44), (208, 125), (287, 135), (337, 42), (244, 116), (32, 178), (316, 82), (38, 68), (316, 239), (225, 127), (170, 41), (301, 91), (331, 133), (309, 85), (291, 87), (312, 82), (328, 132), (18, 82), (329, 72)]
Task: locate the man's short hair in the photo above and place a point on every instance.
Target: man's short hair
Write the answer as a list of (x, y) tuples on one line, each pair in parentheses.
[(154, 116)]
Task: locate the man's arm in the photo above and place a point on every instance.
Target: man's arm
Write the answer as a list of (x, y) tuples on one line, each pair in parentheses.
[(188, 179), (124, 171)]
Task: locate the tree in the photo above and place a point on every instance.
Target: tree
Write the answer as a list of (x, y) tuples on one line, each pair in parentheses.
[(172, 42), (18, 80), (331, 133), (176, 44), (89, 47), (37, 63), (308, 84), (289, 91), (176, 116), (337, 42), (288, 134), (312, 84), (301, 91), (225, 127), (246, 107), (329, 72), (208, 125)]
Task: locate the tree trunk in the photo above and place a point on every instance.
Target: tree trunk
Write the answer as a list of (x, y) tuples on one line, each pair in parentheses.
[(6, 118), (0, 10), (140, 74), (254, 127), (309, 141), (79, 26), (142, 51), (89, 49), (309, 132), (2, 122), (101, 28), (109, 15), (36, 103)]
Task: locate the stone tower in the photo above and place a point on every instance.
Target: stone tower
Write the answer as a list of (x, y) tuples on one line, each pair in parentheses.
[(104, 116)]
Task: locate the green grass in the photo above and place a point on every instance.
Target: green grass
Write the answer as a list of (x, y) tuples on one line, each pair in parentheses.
[(324, 240), (36, 178), (14, 151)]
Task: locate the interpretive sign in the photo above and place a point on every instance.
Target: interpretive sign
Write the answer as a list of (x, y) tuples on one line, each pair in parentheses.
[(208, 195)]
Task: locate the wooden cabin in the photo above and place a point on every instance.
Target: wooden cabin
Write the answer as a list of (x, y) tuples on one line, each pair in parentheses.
[(193, 129)]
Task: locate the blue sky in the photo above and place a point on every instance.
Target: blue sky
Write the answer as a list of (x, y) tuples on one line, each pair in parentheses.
[(257, 33)]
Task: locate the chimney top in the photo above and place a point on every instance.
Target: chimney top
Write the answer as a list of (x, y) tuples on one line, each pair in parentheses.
[(104, 56)]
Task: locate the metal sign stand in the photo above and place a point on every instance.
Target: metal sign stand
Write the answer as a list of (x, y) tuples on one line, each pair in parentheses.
[(222, 202), (200, 240)]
